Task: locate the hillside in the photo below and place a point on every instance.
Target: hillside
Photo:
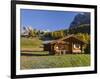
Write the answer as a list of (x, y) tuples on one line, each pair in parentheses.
[(84, 28)]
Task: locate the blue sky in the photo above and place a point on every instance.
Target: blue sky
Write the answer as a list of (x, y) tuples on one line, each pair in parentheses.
[(46, 19)]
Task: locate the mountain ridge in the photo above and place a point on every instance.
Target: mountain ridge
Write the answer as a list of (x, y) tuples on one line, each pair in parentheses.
[(80, 19)]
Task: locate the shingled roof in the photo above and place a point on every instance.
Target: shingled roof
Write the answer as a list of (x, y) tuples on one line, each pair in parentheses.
[(72, 36), (61, 40)]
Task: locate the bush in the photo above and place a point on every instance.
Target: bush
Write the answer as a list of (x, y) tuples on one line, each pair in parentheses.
[(87, 49)]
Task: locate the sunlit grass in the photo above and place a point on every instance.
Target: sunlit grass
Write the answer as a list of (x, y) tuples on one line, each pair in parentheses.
[(42, 60)]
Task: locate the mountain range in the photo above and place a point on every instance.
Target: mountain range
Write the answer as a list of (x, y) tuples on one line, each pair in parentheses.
[(80, 19)]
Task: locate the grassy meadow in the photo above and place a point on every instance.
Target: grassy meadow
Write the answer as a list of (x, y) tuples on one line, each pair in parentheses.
[(36, 60), (33, 57), (31, 44)]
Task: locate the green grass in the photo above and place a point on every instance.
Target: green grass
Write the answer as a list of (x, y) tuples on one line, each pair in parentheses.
[(34, 60), (30, 42)]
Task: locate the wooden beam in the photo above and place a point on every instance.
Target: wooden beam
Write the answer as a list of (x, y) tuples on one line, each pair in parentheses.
[(81, 48)]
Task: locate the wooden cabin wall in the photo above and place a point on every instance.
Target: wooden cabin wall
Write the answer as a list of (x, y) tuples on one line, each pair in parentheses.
[(46, 47), (68, 46), (52, 49)]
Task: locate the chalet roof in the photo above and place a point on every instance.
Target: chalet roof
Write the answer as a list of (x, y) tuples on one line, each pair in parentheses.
[(61, 40), (72, 36), (55, 41), (46, 42)]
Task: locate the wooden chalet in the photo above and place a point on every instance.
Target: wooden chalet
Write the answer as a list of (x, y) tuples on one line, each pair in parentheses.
[(69, 44)]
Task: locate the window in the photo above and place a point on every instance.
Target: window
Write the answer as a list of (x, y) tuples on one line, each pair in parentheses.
[(76, 45)]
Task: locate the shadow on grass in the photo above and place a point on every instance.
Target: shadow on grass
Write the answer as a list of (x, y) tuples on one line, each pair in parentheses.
[(34, 54), (30, 51), (26, 54)]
